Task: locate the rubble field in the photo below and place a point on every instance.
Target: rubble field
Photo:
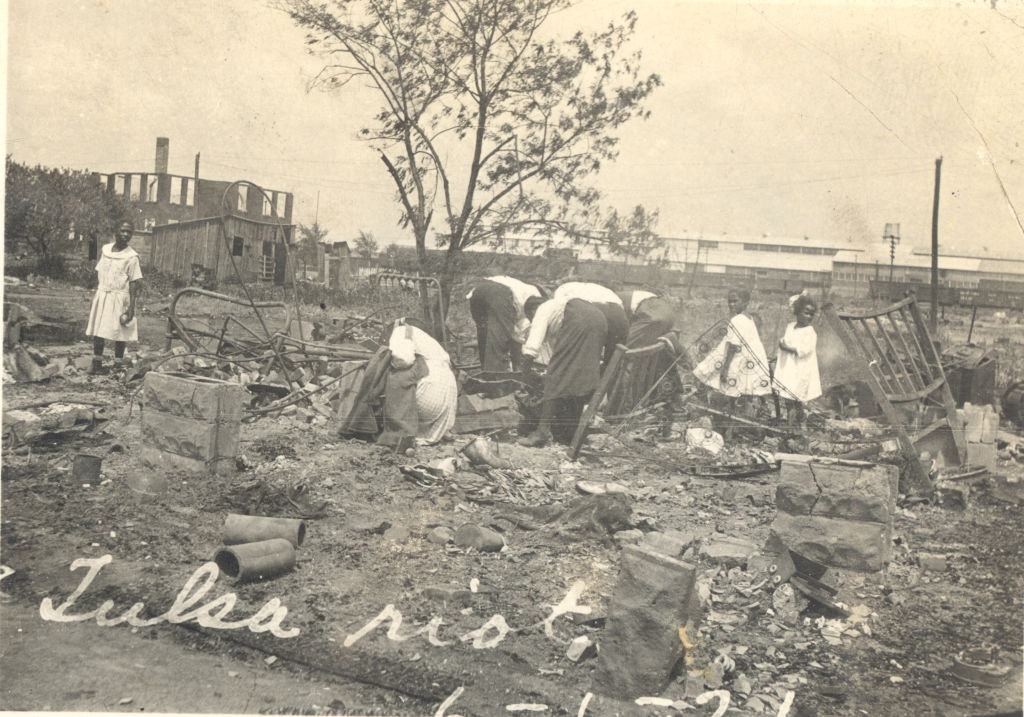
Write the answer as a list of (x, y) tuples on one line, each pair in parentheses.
[(487, 631)]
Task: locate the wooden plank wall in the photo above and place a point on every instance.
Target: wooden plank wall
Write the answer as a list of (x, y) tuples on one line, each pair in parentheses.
[(177, 247)]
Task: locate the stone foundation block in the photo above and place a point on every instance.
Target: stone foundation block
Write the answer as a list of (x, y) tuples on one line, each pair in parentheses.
[(653, 598), (848, 544), (839, 491), (194, 397)]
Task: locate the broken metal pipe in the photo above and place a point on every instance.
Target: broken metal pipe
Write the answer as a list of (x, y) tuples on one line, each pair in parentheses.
[(256, 561), (240, 529)]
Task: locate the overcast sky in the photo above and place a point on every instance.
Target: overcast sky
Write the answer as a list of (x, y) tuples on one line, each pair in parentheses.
[(780, 118)]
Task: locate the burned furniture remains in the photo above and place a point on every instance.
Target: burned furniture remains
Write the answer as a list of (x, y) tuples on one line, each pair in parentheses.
[(898, 360)]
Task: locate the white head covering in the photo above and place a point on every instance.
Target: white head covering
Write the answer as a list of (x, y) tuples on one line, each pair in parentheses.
[(794, 297)]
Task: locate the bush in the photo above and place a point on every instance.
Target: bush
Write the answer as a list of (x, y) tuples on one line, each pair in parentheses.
[(54, 266)]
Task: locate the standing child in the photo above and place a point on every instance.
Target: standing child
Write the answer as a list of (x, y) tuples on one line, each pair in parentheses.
[(112, 317), (796, 373), (738, 366)]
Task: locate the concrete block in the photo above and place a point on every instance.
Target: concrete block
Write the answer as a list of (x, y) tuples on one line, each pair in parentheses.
[(194, 397), (838, 491), (670, 542), (848, 544), (171, 462), (188, 437), (982, 454), (641, 645)]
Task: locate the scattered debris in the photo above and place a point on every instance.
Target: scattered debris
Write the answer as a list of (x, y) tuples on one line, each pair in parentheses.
[(483, 451), (728, 551), (581, 648), (629, 537), (705, 439), (931, 563), (441, 535), (590, 487), (980, 666), (86, 467), (479, 538)]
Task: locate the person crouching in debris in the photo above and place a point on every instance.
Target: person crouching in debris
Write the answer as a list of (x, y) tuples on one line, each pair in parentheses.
[(796, 371), (436, 393), (738, 366), (112, 317), (407, 390), (575, 333), (650, 317), (497, 306)]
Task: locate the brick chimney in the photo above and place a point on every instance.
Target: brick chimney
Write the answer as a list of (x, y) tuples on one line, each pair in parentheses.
[(163, 149)]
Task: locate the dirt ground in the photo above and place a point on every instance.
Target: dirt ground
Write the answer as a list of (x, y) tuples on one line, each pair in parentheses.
[(371, 550)]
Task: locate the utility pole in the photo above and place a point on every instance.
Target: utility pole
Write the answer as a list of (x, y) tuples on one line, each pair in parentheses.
[(933, 323), (891, 235), (195, 188)]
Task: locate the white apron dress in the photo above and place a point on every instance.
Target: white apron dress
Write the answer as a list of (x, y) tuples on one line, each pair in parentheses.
[(115, 270), (437, 393), (796, 375), (748, 371)]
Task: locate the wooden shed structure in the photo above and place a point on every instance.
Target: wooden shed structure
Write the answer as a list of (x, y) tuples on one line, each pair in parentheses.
[(199, 252)]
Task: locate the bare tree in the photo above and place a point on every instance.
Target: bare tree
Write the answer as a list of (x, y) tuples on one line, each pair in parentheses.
[(484, 122)]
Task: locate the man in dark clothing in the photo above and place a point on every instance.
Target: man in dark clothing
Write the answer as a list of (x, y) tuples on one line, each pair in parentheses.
[(497, 306), (650, 317), (576, 332)]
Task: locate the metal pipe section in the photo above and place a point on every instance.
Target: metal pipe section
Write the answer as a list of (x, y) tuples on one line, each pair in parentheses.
[(240, 529), (256, 561)]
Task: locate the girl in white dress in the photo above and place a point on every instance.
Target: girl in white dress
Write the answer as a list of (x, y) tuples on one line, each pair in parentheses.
[(738, 366), (796, 373), (112, 317)]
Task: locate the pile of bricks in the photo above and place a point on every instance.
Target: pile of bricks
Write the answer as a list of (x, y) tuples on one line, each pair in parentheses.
[(836, 513), (190, 422)]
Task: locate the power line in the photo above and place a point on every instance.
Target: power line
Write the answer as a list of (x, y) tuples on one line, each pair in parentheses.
[(772, 185)]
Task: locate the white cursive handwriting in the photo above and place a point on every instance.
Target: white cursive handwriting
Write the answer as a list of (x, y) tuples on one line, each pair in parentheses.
[(184, 608), (477, 638)]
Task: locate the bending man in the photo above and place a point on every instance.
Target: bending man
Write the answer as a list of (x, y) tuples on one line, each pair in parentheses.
[(650, 317), (577, 333), (498, 307), (609, 304)]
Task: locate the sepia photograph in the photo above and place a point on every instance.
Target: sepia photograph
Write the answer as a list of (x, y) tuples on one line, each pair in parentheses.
[(465, 358)]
